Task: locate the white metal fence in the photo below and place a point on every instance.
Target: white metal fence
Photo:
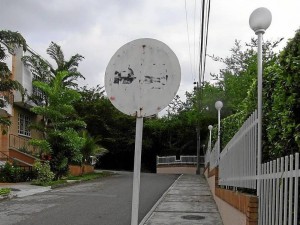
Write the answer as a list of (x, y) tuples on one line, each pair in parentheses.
[(279, 179), (279, 192), (207, 157), (238, 165), (214, 156), (184, 159)]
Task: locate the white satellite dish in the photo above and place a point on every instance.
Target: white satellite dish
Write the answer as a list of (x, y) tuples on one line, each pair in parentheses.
[(142, 77)]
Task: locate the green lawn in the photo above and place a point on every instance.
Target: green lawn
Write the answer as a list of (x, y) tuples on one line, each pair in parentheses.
[(4, 191), (90, 176), (64, 181)]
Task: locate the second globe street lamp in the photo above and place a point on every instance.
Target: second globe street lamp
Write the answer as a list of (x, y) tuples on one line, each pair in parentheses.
[(218, 106)]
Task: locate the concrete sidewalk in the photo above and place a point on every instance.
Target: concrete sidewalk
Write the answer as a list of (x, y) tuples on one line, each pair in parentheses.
[(187, 202), (22, 189)]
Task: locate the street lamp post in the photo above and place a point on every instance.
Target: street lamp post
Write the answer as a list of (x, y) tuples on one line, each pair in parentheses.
[(210, 127), (218, 106), (260, 19)]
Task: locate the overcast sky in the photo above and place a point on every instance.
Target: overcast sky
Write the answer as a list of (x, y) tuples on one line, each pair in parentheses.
[(96, 29)]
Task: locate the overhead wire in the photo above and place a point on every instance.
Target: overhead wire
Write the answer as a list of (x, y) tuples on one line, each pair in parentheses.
[(198, 61), (201, 41), (188, 35), (206, 38), (195, 64), (204, 24)]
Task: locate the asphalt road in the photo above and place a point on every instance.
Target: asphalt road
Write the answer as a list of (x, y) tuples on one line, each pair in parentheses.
[(103, 202)]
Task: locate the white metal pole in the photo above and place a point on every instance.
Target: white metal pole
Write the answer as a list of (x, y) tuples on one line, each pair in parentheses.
[(198, 150), (209, 147), (219, 125), (137, 171), (259, 108)]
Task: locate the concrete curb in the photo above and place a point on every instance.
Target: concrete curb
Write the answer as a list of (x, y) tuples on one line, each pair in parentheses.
[(6, 197), (148, 215)]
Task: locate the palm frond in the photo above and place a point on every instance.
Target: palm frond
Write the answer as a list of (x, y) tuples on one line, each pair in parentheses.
[(55, 52)]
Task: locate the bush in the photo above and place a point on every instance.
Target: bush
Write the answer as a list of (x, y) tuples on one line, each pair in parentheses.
[(43, 171), (13, 174), (4, 191)]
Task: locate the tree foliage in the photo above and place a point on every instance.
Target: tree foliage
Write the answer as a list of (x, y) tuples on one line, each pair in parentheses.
[(43, 71), (115, 130), (60, 123), (91, 147), (282, 102)]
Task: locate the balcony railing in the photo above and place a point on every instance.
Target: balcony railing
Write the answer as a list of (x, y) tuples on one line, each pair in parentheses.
[(22, 144)]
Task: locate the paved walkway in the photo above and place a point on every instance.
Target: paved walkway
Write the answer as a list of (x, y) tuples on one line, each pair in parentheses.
[(187, 202), (23, 189)]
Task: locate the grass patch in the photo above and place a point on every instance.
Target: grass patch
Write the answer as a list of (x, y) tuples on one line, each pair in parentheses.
[(51, 183), (84, 177), (90, 176), (4, 191)]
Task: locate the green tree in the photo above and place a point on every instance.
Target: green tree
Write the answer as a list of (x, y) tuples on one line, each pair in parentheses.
[(61, 124), (9, 41), (239, 83), (282, 102), (115, 130), (240, 72), (43, 71), (91, 147)]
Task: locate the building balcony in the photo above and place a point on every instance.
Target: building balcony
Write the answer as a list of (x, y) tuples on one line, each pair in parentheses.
[(23, 75)]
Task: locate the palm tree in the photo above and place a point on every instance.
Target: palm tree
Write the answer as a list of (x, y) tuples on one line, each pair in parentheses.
[(56, 53), (61, 125), (43, 71), (91, 148)]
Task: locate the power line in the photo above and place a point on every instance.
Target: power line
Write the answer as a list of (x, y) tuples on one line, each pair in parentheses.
[(204, 23), (187, 28), (201, 41), (206, 38), (195, 6)]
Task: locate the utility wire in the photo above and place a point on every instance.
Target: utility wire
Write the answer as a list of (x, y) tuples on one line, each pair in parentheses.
[(201, 41), (204, 22), (206, 38), (187, 29), (195, 66)]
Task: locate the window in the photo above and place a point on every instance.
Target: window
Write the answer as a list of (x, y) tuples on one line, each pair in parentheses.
[(23, 125)]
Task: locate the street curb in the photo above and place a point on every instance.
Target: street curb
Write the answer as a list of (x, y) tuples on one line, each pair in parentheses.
[(65, 184), (7, 197), (148, 215)]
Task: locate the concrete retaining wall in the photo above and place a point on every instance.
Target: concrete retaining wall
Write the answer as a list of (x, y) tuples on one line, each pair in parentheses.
[(235, 208), (184, 169), (79, 170)]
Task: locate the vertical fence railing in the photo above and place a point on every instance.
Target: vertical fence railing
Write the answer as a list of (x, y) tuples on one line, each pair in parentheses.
[(21, 144), (207, 157), (214, 156), (190, 159), (279, 198), (237, 165), (279, 180), (165, 160), (184, 159)]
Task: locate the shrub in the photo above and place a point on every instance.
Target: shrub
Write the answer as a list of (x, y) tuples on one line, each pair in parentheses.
[(4, 191), (13, 174), (43, 171)]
